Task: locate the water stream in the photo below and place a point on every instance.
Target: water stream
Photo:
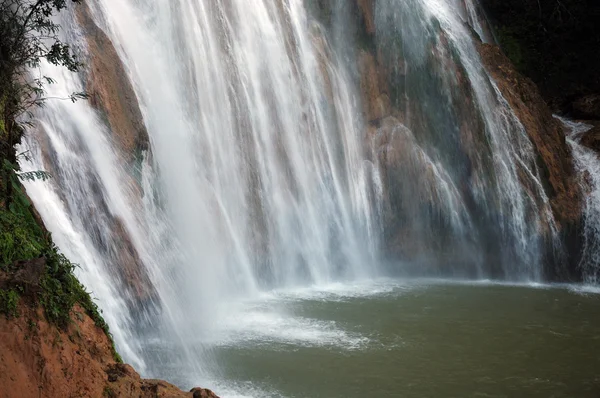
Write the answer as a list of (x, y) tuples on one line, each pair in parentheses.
[(588, 164)]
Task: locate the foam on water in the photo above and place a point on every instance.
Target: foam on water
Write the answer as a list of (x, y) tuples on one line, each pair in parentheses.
[(244, 390), (585, 289), (344, 291), (252, 327)]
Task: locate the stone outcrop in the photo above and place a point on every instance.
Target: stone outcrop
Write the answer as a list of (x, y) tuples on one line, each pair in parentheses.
[(26, 277), (39, 359)]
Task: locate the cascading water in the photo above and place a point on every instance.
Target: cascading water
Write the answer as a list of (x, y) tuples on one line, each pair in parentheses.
[(259, 174), (256, 177), (466, 187), (588, 165)]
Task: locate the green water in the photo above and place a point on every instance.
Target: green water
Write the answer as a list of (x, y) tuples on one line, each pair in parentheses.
[(429, 340)]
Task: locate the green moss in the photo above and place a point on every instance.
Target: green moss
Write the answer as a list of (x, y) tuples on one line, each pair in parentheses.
[(108, 392), (20, 237), (511, 47), (61, 290), (23, 239), (9, 299)]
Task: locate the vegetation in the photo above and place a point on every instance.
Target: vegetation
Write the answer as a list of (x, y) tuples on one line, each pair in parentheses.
[(109, 392), (23, 239), (28, 37), (9, 299), (554, 42)]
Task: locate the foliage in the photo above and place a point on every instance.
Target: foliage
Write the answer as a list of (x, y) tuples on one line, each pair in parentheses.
[(554, 42), (9, 299), (61, 290), (28, 36), (108, 392), (21, 238), (34, 175), (509, 42)]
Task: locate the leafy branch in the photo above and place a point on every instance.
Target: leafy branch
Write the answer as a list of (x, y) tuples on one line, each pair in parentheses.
[(28, 37)]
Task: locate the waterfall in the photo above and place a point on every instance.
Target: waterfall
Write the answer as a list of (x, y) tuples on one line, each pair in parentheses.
[(465, 179), (259, 173), (255, 179), (588, 165)]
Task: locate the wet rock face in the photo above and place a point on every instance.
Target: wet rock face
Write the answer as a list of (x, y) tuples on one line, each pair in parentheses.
[(554, 157), (376, 102), (110, 89), (367, 8), (587, 107), (591, 138), (400, 133), (111, 93), (439, 173), (545, 132)]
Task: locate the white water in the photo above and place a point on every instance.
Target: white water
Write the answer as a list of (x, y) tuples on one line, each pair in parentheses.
[(588, 165), (489, 186), (258, 180)]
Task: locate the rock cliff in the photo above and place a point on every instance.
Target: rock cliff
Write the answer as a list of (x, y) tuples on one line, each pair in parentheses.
[(545, 132), (398, 128), (40, 359), (553, 154)]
